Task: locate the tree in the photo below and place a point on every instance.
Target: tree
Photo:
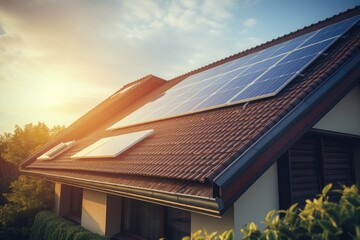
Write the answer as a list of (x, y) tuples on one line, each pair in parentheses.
[(27, 198), (25, 141), (8, 171), (27, 195)]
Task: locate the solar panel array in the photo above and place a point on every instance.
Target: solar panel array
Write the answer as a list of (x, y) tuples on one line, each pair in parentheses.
[(258, 75)]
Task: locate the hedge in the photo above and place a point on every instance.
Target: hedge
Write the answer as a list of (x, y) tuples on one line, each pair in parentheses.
[(48, 226)]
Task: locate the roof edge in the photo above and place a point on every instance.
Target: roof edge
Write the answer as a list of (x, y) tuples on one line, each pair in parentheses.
[(249, 166), (198, 204)]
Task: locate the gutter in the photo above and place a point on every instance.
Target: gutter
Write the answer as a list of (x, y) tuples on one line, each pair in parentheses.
[(233, 181), (197, 204)]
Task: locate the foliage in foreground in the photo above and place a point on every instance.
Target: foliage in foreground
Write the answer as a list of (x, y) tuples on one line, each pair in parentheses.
[(48, 226), (199, 235), (320, 219)]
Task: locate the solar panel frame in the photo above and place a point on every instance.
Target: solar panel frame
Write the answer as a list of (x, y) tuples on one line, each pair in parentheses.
[(113, 146)]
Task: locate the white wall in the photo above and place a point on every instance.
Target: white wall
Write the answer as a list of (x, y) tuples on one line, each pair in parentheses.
[(345, 116), (57, 198), (93, 216), (212, 224), (257, 201), (252, 206), (101, 213)]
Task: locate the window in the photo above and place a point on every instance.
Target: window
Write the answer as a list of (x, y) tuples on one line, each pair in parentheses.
[(76, 196), (311, 163), (178, 223), (142, 220)]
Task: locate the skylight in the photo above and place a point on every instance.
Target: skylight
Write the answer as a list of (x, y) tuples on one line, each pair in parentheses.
[(110, 147), (56, 151)]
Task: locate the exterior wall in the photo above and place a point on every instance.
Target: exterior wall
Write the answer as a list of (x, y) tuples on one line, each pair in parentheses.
[(345, 116), (257, 201), (212, 224), (93, 215), (62, 199), (101, 213), (57, 196)]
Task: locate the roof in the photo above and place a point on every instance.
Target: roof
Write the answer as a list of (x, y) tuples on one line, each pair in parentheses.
[(193, 161)]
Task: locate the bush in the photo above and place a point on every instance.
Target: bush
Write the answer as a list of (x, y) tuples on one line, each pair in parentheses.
[(320, 219), (48, 226), (199, 235)]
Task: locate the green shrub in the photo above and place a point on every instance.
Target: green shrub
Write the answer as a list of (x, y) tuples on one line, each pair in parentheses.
[(320, 219), (199, 235), (48, 226)]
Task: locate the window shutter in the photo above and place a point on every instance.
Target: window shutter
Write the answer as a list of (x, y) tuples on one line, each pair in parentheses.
[(337, 163), (304, 169), (314, 161)]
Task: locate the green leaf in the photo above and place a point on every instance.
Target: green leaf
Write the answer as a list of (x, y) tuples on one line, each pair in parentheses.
[(211, 235), (287, 233), (328, 227), (271, 235), (229, 235), (269, 216), (326, 189), (353, 201), (197, 233), (252, 227)]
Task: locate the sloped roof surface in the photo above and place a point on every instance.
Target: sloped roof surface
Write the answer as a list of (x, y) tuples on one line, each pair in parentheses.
[(195, 148)]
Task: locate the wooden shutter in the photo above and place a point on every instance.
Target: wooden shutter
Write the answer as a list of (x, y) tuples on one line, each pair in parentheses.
[(337, 163), (312, 162), (304, 170)]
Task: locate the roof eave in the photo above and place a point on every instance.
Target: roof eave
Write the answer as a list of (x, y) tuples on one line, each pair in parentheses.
[(233, 181), (197, 204)]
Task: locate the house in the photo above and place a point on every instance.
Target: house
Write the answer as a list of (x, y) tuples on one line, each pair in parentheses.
[(217, 147)]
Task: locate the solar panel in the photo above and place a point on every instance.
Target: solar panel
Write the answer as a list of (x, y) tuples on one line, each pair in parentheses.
[(258, 75), (112, 146), (56, 151)]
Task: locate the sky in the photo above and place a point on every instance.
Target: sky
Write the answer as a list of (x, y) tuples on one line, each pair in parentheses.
[(59, 59)]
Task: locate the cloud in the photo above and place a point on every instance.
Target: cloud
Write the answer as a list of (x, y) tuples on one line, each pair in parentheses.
[(250, 22), (2, 31), (73, 106), (94, 47)]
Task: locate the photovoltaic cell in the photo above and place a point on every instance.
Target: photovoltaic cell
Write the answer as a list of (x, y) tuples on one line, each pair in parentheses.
[(258, 75)]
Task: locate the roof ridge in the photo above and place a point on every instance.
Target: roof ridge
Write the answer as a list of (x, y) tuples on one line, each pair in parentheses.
[(337, 18), (133, 83)]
